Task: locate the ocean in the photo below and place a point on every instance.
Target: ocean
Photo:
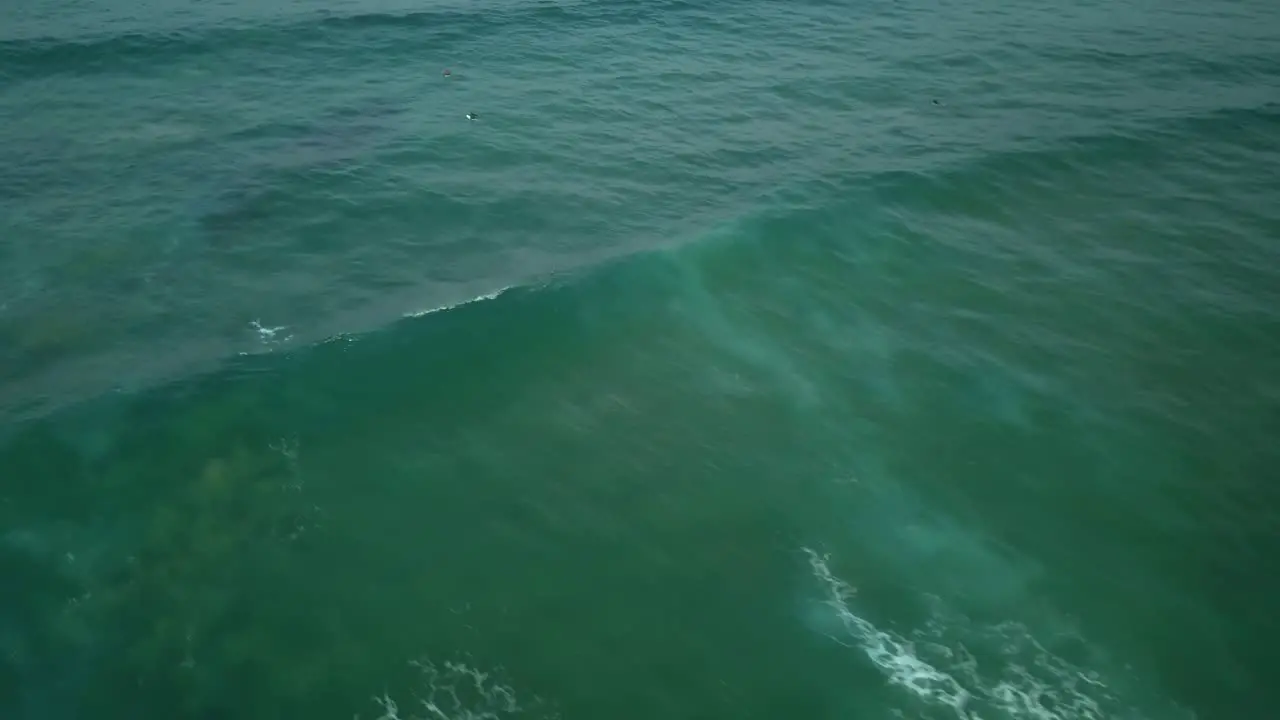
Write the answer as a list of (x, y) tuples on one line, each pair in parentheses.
[(740, 359)]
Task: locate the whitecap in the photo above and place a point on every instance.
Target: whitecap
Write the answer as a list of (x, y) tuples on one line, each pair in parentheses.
[(479, 298)]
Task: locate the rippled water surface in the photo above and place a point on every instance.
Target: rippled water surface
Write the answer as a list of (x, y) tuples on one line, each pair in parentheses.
[(741, 359)]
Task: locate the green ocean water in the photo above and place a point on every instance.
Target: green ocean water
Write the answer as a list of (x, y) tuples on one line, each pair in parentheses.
[(742, 359)]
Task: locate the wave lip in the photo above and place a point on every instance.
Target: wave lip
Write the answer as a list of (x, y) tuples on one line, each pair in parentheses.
[(441, 308)]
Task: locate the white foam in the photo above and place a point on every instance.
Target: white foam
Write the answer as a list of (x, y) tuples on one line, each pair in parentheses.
[(894, 655), (479, 298), (1017, 679), (268, 334), (456, 691)]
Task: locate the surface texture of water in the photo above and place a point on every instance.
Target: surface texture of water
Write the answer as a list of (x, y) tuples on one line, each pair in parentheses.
[(743, 359)]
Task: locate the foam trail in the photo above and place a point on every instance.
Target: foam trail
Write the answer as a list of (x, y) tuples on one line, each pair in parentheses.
[(893, 655), (456, 691), (967, 670)]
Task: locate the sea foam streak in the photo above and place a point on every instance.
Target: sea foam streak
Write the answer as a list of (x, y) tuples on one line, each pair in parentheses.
[(456, 691), (954, 667)]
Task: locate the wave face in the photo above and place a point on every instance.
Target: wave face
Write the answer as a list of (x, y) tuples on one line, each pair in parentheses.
[(715, 371), (170, 176)]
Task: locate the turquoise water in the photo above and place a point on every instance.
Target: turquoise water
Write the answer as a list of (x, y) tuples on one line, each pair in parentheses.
[(743, 359)]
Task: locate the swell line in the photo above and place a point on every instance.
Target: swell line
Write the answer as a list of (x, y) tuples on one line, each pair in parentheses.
[(93, 53)]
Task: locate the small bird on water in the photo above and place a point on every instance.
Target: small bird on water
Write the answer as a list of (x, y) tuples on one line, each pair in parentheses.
[(472, 116)]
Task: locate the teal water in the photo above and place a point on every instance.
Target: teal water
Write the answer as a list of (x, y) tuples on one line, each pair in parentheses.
[(744, 359)]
